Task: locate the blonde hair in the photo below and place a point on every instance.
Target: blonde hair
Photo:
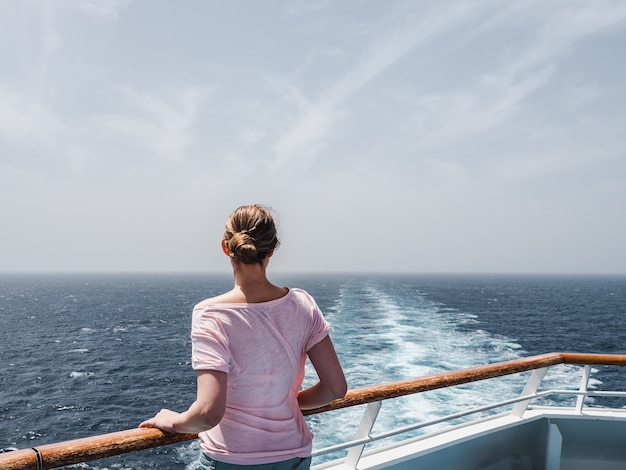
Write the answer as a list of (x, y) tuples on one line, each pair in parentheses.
[(250, 234)]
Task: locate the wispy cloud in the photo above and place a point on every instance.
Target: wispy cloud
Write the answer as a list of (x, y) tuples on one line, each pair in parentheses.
[(484, 102), (318, 117), (26, 120), (504, 85), (157, 125), (555, 31), (39, 21), (33, 118), (103, 9), (451, 117)]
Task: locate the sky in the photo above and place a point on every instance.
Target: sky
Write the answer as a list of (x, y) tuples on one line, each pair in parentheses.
[(396, 136)]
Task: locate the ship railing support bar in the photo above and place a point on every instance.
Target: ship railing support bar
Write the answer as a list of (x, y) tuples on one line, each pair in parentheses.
[(531, 387), (584, 383), (107, 445), (365, 428)]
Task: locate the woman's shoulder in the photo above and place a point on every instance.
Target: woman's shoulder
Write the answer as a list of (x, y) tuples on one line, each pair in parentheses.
[(236, 297), (222, 299), (230, 297), (302, 295), (299, 292)]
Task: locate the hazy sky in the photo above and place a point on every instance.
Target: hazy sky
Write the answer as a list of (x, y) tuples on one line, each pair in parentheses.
[(421, 136)]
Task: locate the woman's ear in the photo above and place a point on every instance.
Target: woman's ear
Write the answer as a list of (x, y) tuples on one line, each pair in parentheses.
[(225, 248)]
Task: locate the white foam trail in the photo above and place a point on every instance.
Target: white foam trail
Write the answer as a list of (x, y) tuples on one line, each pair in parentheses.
[(409, 336)]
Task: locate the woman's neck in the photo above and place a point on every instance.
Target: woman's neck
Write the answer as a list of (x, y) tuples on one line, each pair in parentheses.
[(252, 285)]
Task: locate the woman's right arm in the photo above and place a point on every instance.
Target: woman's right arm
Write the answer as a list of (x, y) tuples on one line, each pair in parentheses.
[(332, 382), (204, 413)]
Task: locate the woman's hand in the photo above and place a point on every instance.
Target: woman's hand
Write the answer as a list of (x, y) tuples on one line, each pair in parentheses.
[(164, 420)]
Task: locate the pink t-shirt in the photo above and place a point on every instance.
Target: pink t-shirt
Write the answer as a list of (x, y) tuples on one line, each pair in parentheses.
[(262, 347)]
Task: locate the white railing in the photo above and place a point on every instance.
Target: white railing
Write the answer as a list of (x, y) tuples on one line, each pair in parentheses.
[(520, 404)]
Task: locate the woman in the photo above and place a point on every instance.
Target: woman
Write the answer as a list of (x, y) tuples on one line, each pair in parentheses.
[(249, 347)]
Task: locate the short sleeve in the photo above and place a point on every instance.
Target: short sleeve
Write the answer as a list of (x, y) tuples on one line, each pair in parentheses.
[(319, 326), (209, 345)]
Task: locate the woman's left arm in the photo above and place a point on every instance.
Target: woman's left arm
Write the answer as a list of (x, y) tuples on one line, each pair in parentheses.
[(332, 382), (205, 413)]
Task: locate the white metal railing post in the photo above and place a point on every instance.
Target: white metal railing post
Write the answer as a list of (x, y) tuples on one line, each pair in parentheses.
[(531, 387), (584, 383), (365, 428)]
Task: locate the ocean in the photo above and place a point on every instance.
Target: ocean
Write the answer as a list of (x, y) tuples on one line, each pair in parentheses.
[(87, 354)]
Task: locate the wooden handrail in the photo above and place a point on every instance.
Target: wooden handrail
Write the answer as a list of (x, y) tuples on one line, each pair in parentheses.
[(89, 448), (107, 445), (400, 388)]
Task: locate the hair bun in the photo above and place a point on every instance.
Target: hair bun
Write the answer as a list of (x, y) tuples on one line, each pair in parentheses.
[(250, 234), (241, 246)]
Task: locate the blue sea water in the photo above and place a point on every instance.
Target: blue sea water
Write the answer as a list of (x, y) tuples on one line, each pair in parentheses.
[(89, 354)]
